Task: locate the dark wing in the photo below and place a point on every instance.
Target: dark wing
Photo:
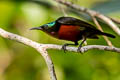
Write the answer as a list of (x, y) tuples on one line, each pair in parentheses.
[(74, 21)]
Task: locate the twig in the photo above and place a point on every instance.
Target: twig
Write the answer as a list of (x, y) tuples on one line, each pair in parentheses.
[(91, 12), (110, 23), (100, 28), (41, 48), (115, 20), (63, 10)]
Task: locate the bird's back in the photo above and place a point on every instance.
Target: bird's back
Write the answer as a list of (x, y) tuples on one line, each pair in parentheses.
[(74, 21)]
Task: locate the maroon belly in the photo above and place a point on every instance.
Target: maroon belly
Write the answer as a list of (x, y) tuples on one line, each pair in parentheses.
[(69, 32)]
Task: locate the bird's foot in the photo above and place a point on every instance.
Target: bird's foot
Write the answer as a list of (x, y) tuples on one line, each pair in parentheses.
[(79, 50), (64, 48)]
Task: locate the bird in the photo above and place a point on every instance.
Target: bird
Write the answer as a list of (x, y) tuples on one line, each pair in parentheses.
[(71, 29)]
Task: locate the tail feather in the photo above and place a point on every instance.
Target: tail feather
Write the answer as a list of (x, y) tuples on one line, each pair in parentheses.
[(107, 34)]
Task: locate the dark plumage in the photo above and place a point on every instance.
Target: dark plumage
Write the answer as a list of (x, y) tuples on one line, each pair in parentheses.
[(72, 29)]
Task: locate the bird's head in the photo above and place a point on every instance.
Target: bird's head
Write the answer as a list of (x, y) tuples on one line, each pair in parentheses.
[(45, 27)]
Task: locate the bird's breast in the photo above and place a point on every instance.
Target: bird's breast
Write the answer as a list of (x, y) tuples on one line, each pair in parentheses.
[(69, 32)]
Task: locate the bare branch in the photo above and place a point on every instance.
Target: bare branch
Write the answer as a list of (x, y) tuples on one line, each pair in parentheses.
[(91, 12), (41, 48), (49, 62), (85, 48)]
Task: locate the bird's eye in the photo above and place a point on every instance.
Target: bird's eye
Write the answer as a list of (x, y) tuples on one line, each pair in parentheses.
[(46, 27)]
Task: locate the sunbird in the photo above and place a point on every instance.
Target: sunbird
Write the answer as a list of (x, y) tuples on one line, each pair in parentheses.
[(71, 29)]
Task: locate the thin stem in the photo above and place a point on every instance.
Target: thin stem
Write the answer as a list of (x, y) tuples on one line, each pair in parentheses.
[(100, 28)]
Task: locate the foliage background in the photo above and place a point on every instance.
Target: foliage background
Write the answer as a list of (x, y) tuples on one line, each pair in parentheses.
[(20, 62)]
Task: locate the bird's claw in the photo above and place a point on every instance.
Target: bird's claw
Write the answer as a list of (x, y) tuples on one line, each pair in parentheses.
[(79, 50), (64, 48)]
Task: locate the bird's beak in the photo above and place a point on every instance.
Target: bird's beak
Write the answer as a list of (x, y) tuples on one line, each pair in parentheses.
[(36, 28)]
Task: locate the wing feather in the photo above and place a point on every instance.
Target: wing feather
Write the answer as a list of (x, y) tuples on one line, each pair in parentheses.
[(74, 21)]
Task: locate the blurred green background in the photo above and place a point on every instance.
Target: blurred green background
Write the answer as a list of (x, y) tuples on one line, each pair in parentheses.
[(20, 62)]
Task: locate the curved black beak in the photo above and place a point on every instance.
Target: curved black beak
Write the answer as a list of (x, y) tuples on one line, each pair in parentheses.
[(36, 28)]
